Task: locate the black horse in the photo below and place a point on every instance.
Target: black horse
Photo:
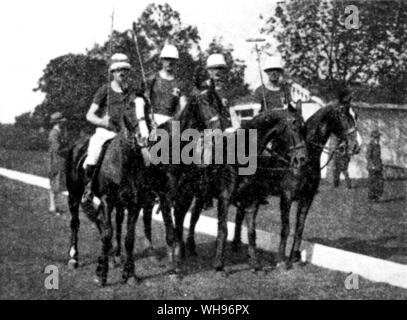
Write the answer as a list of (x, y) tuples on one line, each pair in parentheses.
[(280, 137), (332, 119)]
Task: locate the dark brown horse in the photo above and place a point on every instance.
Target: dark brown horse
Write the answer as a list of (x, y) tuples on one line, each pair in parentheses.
[(117, 185), (333, 119), (280, 137)]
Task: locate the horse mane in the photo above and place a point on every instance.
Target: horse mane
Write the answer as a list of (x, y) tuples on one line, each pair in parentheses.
[(265, 119)]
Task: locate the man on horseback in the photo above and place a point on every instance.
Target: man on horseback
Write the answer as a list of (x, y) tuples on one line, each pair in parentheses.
[(217, 69), (165, 93), (106, 113), (274, 93)]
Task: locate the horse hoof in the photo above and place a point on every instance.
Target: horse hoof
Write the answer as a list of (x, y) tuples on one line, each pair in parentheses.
[(100, 281), (175, 277), (281, 266), (132, 281), (297, 265), (255, 269), (72, 264), (222, 273)]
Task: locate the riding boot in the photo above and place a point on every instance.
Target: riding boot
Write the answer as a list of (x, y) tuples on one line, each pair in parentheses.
[(88, 192)]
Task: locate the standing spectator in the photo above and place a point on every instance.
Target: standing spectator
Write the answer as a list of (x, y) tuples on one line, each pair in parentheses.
[(341, 164), (58, 148), (375, 167)]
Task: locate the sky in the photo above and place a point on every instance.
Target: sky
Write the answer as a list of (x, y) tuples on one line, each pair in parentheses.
[(34, 32)]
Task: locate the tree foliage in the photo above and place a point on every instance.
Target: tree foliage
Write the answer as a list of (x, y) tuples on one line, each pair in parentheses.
[(323, 51), (70, 81)]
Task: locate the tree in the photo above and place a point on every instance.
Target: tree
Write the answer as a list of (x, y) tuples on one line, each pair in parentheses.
[(321, 50), (157, 26), (70, 82)]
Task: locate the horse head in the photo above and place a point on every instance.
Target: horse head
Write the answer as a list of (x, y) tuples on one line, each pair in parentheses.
[(282, 136), (344, 120), (203, 111)]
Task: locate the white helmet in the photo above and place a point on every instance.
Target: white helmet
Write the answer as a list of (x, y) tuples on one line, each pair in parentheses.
[(274, 62), (170, 52), (216, 60), (119, 61)]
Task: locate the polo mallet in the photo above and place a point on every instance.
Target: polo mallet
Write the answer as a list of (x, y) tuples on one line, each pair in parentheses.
[(256, 47)]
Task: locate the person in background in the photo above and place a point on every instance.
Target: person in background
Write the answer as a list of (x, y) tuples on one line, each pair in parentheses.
[(375, 167), (58, 149)]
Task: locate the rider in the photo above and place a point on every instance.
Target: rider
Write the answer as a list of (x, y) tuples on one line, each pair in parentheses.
[(218, 70), (274, 93), (165, 92), (106, 113)]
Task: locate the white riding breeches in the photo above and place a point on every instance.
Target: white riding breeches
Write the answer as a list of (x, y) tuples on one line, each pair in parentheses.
[(95, 145)]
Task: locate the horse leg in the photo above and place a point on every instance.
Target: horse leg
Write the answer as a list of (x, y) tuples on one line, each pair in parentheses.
[(195, 213), (180, 210), (223, 204), (251, 214), (169, 229), (73, 203), (128, 270), (304, 205), (105, 226), (237, 239), (119, 223), (285, 206), (147, 222)]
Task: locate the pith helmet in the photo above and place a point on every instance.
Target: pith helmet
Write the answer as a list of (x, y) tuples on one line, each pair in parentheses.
[(169, 52), (274, 62), (119, 61), (216, 60)]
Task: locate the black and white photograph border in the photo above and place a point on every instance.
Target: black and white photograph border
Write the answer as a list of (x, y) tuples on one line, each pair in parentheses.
[(285, 179)]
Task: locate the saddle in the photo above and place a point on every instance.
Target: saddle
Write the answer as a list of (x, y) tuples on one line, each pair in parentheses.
[(94, 182)]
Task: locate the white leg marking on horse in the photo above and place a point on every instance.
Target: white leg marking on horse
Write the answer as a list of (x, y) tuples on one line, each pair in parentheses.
[(359, 138), (72, 252), (304, 255)]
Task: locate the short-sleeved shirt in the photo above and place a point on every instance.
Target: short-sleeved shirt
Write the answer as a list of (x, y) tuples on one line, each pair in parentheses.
[(117, 104), (163, 100), (274, 99)]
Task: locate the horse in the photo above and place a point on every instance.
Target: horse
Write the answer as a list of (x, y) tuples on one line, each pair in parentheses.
[(333, 119), (284, 130), (75, 178)]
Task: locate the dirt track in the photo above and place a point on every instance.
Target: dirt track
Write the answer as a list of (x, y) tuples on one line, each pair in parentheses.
[(32, 239)]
